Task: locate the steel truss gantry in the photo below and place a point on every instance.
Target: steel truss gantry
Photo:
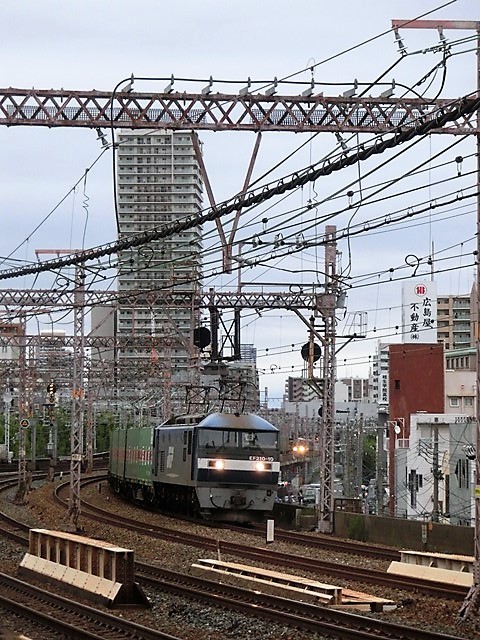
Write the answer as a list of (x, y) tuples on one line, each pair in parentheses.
[(221, 111), (65, 299)]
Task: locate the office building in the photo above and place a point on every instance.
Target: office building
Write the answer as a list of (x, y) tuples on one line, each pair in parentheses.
[(379, 377)]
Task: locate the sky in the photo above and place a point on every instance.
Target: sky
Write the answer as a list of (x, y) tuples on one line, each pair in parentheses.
[(48, 45)]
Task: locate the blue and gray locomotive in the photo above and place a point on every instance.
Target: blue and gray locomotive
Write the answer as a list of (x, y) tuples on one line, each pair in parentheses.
[(223, 466)]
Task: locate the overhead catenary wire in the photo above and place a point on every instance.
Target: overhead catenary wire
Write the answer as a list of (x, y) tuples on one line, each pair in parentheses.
[(390, 221), (52, 211), (114, 154), (440, 6), (459, 108)]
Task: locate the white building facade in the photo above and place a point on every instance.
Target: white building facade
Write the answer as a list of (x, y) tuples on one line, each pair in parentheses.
[(435, 475), (379, 377)]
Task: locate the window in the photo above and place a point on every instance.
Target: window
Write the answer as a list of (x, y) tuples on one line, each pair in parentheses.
[(468, 401), (218, 438), (415, 482), (462, 471), (454, 401), (397, 384)]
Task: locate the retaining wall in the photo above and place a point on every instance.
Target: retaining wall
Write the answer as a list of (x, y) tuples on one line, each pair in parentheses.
[(405, 534)]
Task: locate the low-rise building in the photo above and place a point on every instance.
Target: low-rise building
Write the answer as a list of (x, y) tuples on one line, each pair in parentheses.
[(435, 469)]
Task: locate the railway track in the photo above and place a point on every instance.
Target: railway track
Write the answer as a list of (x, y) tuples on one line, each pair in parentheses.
[(309, 617), (282, 560), (51, 611), (100, 460), (10, 527), (327, 621), (321, 541), (68, 618), (282, 611)]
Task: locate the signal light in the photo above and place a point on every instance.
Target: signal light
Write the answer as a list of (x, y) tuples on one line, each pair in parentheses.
[(51, 388)]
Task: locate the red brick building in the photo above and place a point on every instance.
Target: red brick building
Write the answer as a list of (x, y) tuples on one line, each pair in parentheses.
[(416, 384), (416, 380)]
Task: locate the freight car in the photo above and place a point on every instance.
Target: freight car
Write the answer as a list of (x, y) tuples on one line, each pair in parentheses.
[(223, 466)]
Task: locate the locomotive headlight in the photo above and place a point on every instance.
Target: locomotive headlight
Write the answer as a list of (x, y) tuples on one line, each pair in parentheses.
[(219, 464), (260, 466)]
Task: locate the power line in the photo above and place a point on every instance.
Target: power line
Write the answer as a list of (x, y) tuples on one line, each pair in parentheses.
[(458, 108)]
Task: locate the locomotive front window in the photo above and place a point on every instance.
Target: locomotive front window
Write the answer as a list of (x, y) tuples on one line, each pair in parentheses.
[(216, 439)]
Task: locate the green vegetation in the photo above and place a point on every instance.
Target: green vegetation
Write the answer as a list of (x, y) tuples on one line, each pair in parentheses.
[(105, 421), (356, 528), (369, 457)]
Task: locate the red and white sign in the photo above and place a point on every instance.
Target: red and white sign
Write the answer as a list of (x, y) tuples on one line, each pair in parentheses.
[(419, 312)]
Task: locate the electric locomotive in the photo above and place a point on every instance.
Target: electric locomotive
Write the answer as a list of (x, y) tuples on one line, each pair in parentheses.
[(223, 466)]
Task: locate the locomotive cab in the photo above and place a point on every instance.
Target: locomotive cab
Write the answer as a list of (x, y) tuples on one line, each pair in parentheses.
[(237, 467)]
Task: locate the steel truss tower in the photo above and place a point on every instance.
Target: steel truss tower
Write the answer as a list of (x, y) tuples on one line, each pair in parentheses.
[(77, 396)]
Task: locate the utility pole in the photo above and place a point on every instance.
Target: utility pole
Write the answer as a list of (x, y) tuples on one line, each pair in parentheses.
[(359, 430), (472, 601), (436, 474), (380, 472), (393, 431)]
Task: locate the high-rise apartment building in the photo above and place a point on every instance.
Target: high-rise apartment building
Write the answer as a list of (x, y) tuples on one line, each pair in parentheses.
[(298, 390), (158, 182), (456, 320)]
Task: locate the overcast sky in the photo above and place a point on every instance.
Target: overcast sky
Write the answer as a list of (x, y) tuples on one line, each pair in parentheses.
[(98, 43)]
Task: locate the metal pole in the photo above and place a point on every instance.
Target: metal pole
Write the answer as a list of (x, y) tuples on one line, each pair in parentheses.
[(33, 444), (359, 456), (391, 467), (77, 399), (7, 399), (326, 506), (471, 604), (380, 472), (23, 410)]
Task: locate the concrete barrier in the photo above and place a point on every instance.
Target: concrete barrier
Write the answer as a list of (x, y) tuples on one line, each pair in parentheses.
[(450, 561), (98, 569), (447, 576)]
